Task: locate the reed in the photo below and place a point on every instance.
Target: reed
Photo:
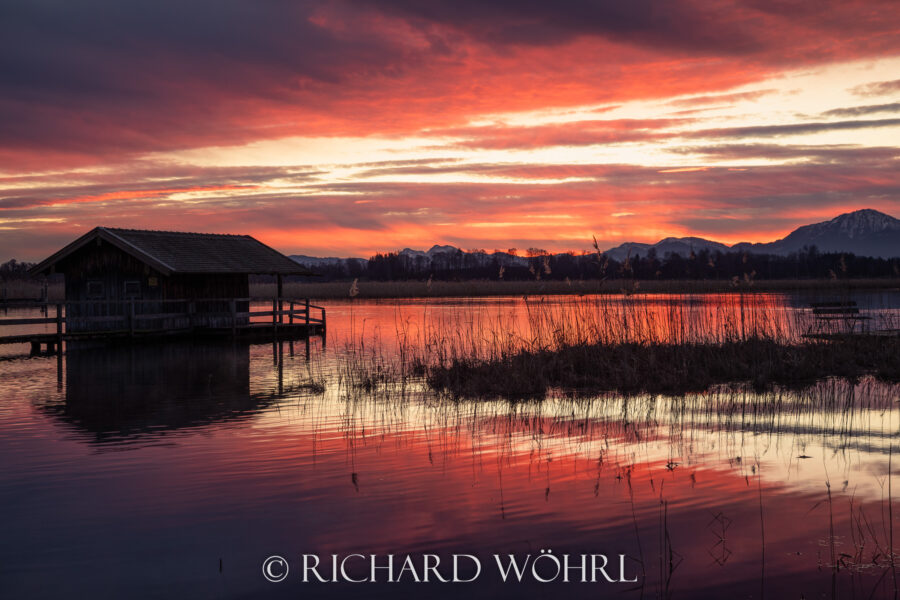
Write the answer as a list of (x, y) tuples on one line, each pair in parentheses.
[(668, 368), (626, 343)]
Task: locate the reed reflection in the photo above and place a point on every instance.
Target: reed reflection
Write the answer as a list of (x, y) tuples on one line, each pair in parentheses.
[(782, 490), (245, 451)]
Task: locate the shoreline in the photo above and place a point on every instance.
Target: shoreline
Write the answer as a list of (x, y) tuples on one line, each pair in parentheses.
[(340, 290), (385, 290)]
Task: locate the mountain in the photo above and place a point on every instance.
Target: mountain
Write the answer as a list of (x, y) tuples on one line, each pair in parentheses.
[(670, 245), (343, 266), (864, 232), (448, 257), (438, 257)]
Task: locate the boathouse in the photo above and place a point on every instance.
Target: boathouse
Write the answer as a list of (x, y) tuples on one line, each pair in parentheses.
[(129, 281)]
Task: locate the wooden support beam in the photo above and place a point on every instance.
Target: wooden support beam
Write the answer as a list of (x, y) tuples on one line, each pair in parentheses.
[(232, 307), (280, 297), (59, 328), (275, 316)]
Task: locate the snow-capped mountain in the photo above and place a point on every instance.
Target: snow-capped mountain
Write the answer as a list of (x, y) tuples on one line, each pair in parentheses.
[(329, 262), (864, 232), (670, 245), (451, 256), (442, 250)]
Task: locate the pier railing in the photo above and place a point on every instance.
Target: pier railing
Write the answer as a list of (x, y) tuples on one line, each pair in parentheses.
[(133, 317)]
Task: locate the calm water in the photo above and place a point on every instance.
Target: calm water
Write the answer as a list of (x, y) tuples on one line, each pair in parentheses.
[(176, 469)]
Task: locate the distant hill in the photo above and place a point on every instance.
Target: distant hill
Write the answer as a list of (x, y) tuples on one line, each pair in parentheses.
[(864, 232), (328, 261), (442, 257), (671, 245)]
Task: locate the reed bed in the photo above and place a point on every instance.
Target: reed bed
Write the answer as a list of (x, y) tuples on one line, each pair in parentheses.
[(626, 343), (668, 368)]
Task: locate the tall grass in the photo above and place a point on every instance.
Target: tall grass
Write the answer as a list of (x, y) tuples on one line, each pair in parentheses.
[(627, 342)]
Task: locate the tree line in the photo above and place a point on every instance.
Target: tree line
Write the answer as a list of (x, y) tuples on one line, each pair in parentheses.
[(808, 263)]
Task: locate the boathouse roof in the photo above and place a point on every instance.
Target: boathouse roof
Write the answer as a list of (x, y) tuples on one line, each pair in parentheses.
[(190, 253)]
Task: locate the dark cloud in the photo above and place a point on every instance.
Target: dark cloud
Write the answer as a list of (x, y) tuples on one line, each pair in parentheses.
[(879, 88), (844, 154), (144, 181), (791, 129), (688, 25), (95, 79), (723, 98), (390, 164), (858, 111), (159, 74), (615, 131), (576, 133)]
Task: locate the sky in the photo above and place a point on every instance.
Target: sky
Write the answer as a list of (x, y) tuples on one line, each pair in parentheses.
[(351, 127)]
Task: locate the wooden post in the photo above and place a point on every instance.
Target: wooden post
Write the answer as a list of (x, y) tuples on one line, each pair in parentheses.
[(280, 302), (59, 367), (59, 331), (131, 318), (307, 312), (291, 314), (275, 316), (232, 307), (280, 368)]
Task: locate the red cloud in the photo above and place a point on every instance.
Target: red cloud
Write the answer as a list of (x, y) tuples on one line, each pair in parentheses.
[(173, 77)]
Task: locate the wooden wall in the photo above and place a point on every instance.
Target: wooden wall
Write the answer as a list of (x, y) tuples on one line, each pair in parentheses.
[(100, 264)]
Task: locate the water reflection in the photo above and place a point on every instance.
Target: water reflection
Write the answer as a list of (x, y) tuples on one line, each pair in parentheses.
[(241, 452), (131, 392)]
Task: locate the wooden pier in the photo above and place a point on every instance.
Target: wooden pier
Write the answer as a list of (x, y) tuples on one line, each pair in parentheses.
[(842, 320), (289, 319)]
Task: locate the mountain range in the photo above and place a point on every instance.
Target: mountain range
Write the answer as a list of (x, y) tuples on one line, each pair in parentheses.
[(864, 232)]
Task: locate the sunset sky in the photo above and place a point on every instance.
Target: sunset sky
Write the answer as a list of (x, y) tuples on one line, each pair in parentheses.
[(349, 127)]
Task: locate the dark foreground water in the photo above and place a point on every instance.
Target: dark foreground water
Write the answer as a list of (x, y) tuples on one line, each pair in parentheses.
[(175, 470)]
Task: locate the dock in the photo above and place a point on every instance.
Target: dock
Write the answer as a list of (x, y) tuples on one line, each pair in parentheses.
[(288, 319), (842, 320)]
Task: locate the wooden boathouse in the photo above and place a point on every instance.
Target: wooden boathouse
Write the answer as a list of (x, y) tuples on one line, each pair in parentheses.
[(126, 283)]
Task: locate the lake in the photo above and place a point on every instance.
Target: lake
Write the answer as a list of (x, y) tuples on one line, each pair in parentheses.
[(175, 469)]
